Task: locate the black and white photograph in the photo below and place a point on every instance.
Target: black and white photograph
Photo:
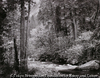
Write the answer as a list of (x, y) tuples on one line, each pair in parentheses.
[(49, 38)]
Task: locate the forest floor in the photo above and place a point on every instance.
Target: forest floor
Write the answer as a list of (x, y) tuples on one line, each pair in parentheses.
[(43, 68), (51, 69), (48, 68)]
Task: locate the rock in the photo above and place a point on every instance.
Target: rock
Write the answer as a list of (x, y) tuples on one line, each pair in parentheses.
[(91, 65)]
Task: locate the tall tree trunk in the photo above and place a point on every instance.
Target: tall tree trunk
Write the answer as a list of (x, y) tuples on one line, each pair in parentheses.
[(73, 29), (16, 62), (23, 61), (16, 59), (27, 29), (74, 26), (58, 20)]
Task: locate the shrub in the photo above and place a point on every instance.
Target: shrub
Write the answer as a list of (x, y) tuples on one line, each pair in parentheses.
[(87, 54), (96, 34), (55, 50), (97, 51), (73, 53), (50, 47), (56, 57), (90, 53), (7, 70)]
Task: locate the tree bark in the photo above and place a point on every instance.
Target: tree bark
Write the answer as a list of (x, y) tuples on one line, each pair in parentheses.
[(58, 20), (73, 30), (27, 30), (74, 26), (23, 61), (16, 62), (16, 59)]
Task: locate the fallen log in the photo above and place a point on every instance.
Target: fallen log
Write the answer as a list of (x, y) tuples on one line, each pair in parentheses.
[(82, 69), (67, 67), (91, 65)]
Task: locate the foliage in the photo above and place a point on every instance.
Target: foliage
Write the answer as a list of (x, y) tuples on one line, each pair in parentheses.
[(49, 47), (96, 34), (90, 51), (53, 41), (55, 57), (7, 70), (59, 13), (9, 28)]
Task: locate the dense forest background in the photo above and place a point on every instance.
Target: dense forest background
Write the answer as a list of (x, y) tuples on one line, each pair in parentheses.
[(57, 31), (67, 22)]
